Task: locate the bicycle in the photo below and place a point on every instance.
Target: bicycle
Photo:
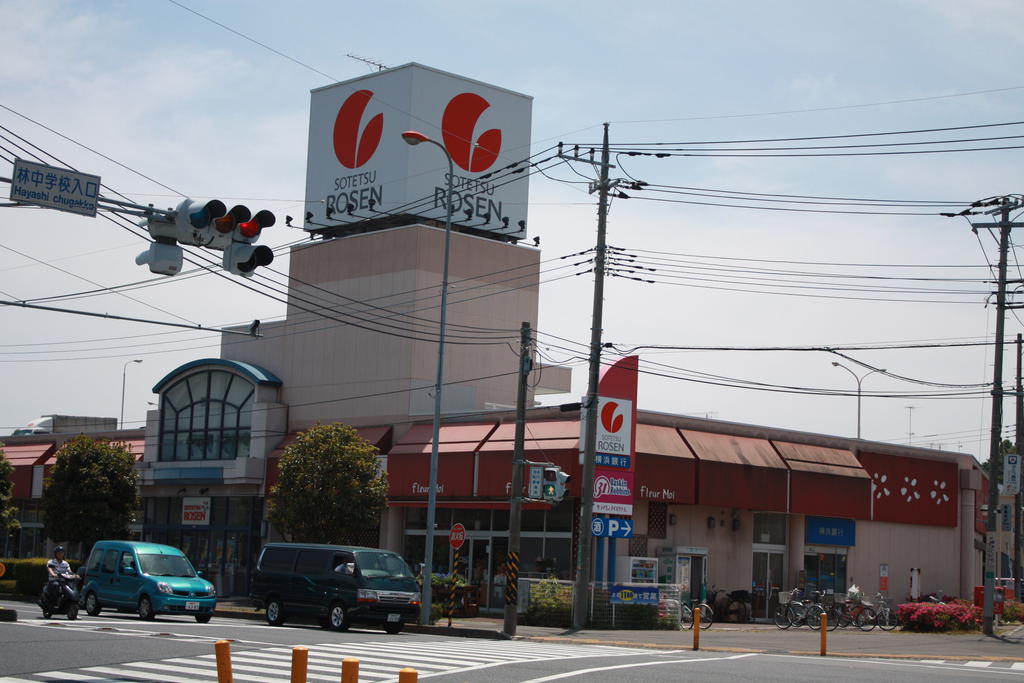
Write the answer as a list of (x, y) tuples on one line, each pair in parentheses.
[(791, 612), (858, 613), (707, 616), (885, 617)]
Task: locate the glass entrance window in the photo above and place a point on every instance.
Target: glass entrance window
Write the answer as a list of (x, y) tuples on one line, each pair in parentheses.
[(206, 416), (767, 582), (825, 571)]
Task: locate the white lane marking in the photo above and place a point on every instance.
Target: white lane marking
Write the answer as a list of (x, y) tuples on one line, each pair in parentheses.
[(934, 661), (978, 664), (920, 664), (634, 665), (1017, 665)]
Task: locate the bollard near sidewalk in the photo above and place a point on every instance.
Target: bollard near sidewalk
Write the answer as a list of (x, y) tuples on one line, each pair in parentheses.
[(350, 670), (824, 631), (696, 628), (300, 664), (223, 650), (408, 675)]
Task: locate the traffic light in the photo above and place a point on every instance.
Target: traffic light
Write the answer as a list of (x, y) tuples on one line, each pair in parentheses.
[(206, 224), (555, 484)]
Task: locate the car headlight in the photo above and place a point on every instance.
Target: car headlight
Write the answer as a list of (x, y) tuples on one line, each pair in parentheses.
[(164, 587), (366, 595), (210, 590)]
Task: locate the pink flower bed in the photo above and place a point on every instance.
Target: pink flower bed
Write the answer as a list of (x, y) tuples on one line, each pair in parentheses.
[(959, 615)]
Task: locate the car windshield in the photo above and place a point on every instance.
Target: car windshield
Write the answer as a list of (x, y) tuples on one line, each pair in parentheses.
[(166, 565), (382, 567)]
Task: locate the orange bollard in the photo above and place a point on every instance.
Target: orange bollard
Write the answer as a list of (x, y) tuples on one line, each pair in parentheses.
[(408, 675), (300, 663), (824, 631), (350, 670), (696, 628), (223, 650)]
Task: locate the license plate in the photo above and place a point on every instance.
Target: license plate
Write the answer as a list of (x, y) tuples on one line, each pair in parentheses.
[(192, 606), (394, 617)]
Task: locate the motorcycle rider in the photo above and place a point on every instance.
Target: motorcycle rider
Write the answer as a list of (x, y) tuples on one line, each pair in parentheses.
[(57, 568)]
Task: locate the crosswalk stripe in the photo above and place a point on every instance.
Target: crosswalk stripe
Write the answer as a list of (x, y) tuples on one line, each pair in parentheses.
[(933, 661), (257, 658), (117, 671), (70, 676), (978, 665), (1017, 665)]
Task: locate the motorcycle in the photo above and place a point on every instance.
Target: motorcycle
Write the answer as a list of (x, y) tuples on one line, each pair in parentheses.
[(67, 597)]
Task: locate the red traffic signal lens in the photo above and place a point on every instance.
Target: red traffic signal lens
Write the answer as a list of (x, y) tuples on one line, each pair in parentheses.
[(251, 228)]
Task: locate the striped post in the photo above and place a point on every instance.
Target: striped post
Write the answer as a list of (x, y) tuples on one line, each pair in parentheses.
[(223, 650), (512, 578), (452, 589)]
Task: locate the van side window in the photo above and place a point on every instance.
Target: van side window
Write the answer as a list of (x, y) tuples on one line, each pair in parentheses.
[(311, 561), (95, 560), (110, 561), (127, 562), (340, 560), (278, 559)]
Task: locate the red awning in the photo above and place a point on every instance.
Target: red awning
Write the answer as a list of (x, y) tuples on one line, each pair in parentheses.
[(455, 438), (826, 481), (28, 454), (737, 471), (666, 469)]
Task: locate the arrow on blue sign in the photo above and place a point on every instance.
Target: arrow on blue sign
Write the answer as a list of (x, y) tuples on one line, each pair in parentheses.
[(611, 527)]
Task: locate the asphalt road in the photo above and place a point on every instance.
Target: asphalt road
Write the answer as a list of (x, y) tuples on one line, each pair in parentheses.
[(120, 647)]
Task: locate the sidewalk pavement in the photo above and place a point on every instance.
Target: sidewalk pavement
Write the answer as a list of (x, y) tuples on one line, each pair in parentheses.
[(766, 638)]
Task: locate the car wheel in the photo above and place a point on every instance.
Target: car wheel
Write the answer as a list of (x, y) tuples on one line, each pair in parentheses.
[(338, 617), (92, 605), (393, 628), (203, 618), (275, 612), (146, 609), (72, 611)]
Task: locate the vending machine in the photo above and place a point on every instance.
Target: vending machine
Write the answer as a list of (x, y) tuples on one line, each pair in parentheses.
[(637, 569)]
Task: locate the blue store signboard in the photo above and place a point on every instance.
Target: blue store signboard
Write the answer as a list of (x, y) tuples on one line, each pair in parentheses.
[(830, 531), (633, 595)]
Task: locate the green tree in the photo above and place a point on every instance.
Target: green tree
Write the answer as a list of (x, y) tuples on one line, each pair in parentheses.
[(331, 487), (7, 509), (91, 492)]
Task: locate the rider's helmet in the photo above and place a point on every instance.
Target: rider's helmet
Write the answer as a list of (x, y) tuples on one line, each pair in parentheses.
[(58, 549)]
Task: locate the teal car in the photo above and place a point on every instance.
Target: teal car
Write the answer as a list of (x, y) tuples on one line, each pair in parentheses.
[(148, 578)]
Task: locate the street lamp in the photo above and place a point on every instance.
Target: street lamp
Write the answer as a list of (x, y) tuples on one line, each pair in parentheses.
[(413, 137), (124, 371), (859, 380)]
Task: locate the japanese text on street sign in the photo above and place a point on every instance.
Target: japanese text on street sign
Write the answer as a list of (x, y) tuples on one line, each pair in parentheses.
[(535, 489), (457, 535), (611, 527), (55, 188), (1011, 474)]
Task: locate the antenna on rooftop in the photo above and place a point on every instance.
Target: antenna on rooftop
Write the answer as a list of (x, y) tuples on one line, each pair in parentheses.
[(368, 62)]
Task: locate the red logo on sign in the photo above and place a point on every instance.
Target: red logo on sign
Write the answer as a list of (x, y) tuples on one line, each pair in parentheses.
[(609, 420), (457, 127), (457, 535), (352, 149)]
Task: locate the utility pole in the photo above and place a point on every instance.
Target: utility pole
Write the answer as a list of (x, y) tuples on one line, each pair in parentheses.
[(1017, 498), (994, 459), (580, 590), (515, 515)]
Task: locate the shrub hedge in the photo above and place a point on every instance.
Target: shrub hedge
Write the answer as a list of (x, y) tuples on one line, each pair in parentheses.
[(959, 615), (26, 576)]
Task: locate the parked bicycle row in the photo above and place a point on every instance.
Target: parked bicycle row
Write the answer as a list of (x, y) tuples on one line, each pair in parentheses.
[(854, 610)]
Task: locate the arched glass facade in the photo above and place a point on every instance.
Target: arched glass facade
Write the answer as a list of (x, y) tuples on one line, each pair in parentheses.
[(206, 416)]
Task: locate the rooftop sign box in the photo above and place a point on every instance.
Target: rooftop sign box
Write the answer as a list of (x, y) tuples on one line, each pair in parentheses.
[(359, 168)]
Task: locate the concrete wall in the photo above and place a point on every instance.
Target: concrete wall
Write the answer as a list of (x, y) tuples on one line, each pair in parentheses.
[(389, 281)]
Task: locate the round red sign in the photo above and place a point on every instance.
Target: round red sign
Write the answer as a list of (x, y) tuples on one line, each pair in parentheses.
[(457, 535)]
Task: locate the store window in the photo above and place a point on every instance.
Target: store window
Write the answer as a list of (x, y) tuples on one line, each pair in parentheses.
[(825, 570), (206, 416), (770, 528)]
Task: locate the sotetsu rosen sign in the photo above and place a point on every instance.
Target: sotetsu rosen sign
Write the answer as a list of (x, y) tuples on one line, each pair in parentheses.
[(357, 161)]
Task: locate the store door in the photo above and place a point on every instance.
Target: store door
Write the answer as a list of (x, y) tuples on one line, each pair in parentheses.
[(498, 557), (767, 581)]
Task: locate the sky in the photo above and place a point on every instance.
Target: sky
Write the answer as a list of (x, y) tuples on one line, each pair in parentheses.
[(167, 99)]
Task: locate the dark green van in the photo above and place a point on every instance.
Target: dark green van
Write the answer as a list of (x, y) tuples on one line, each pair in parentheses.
[(337, 585)]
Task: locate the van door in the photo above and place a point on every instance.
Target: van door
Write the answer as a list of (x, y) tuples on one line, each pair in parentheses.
[(309, 593), (106, 588), (127, 580), (343, 577)]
